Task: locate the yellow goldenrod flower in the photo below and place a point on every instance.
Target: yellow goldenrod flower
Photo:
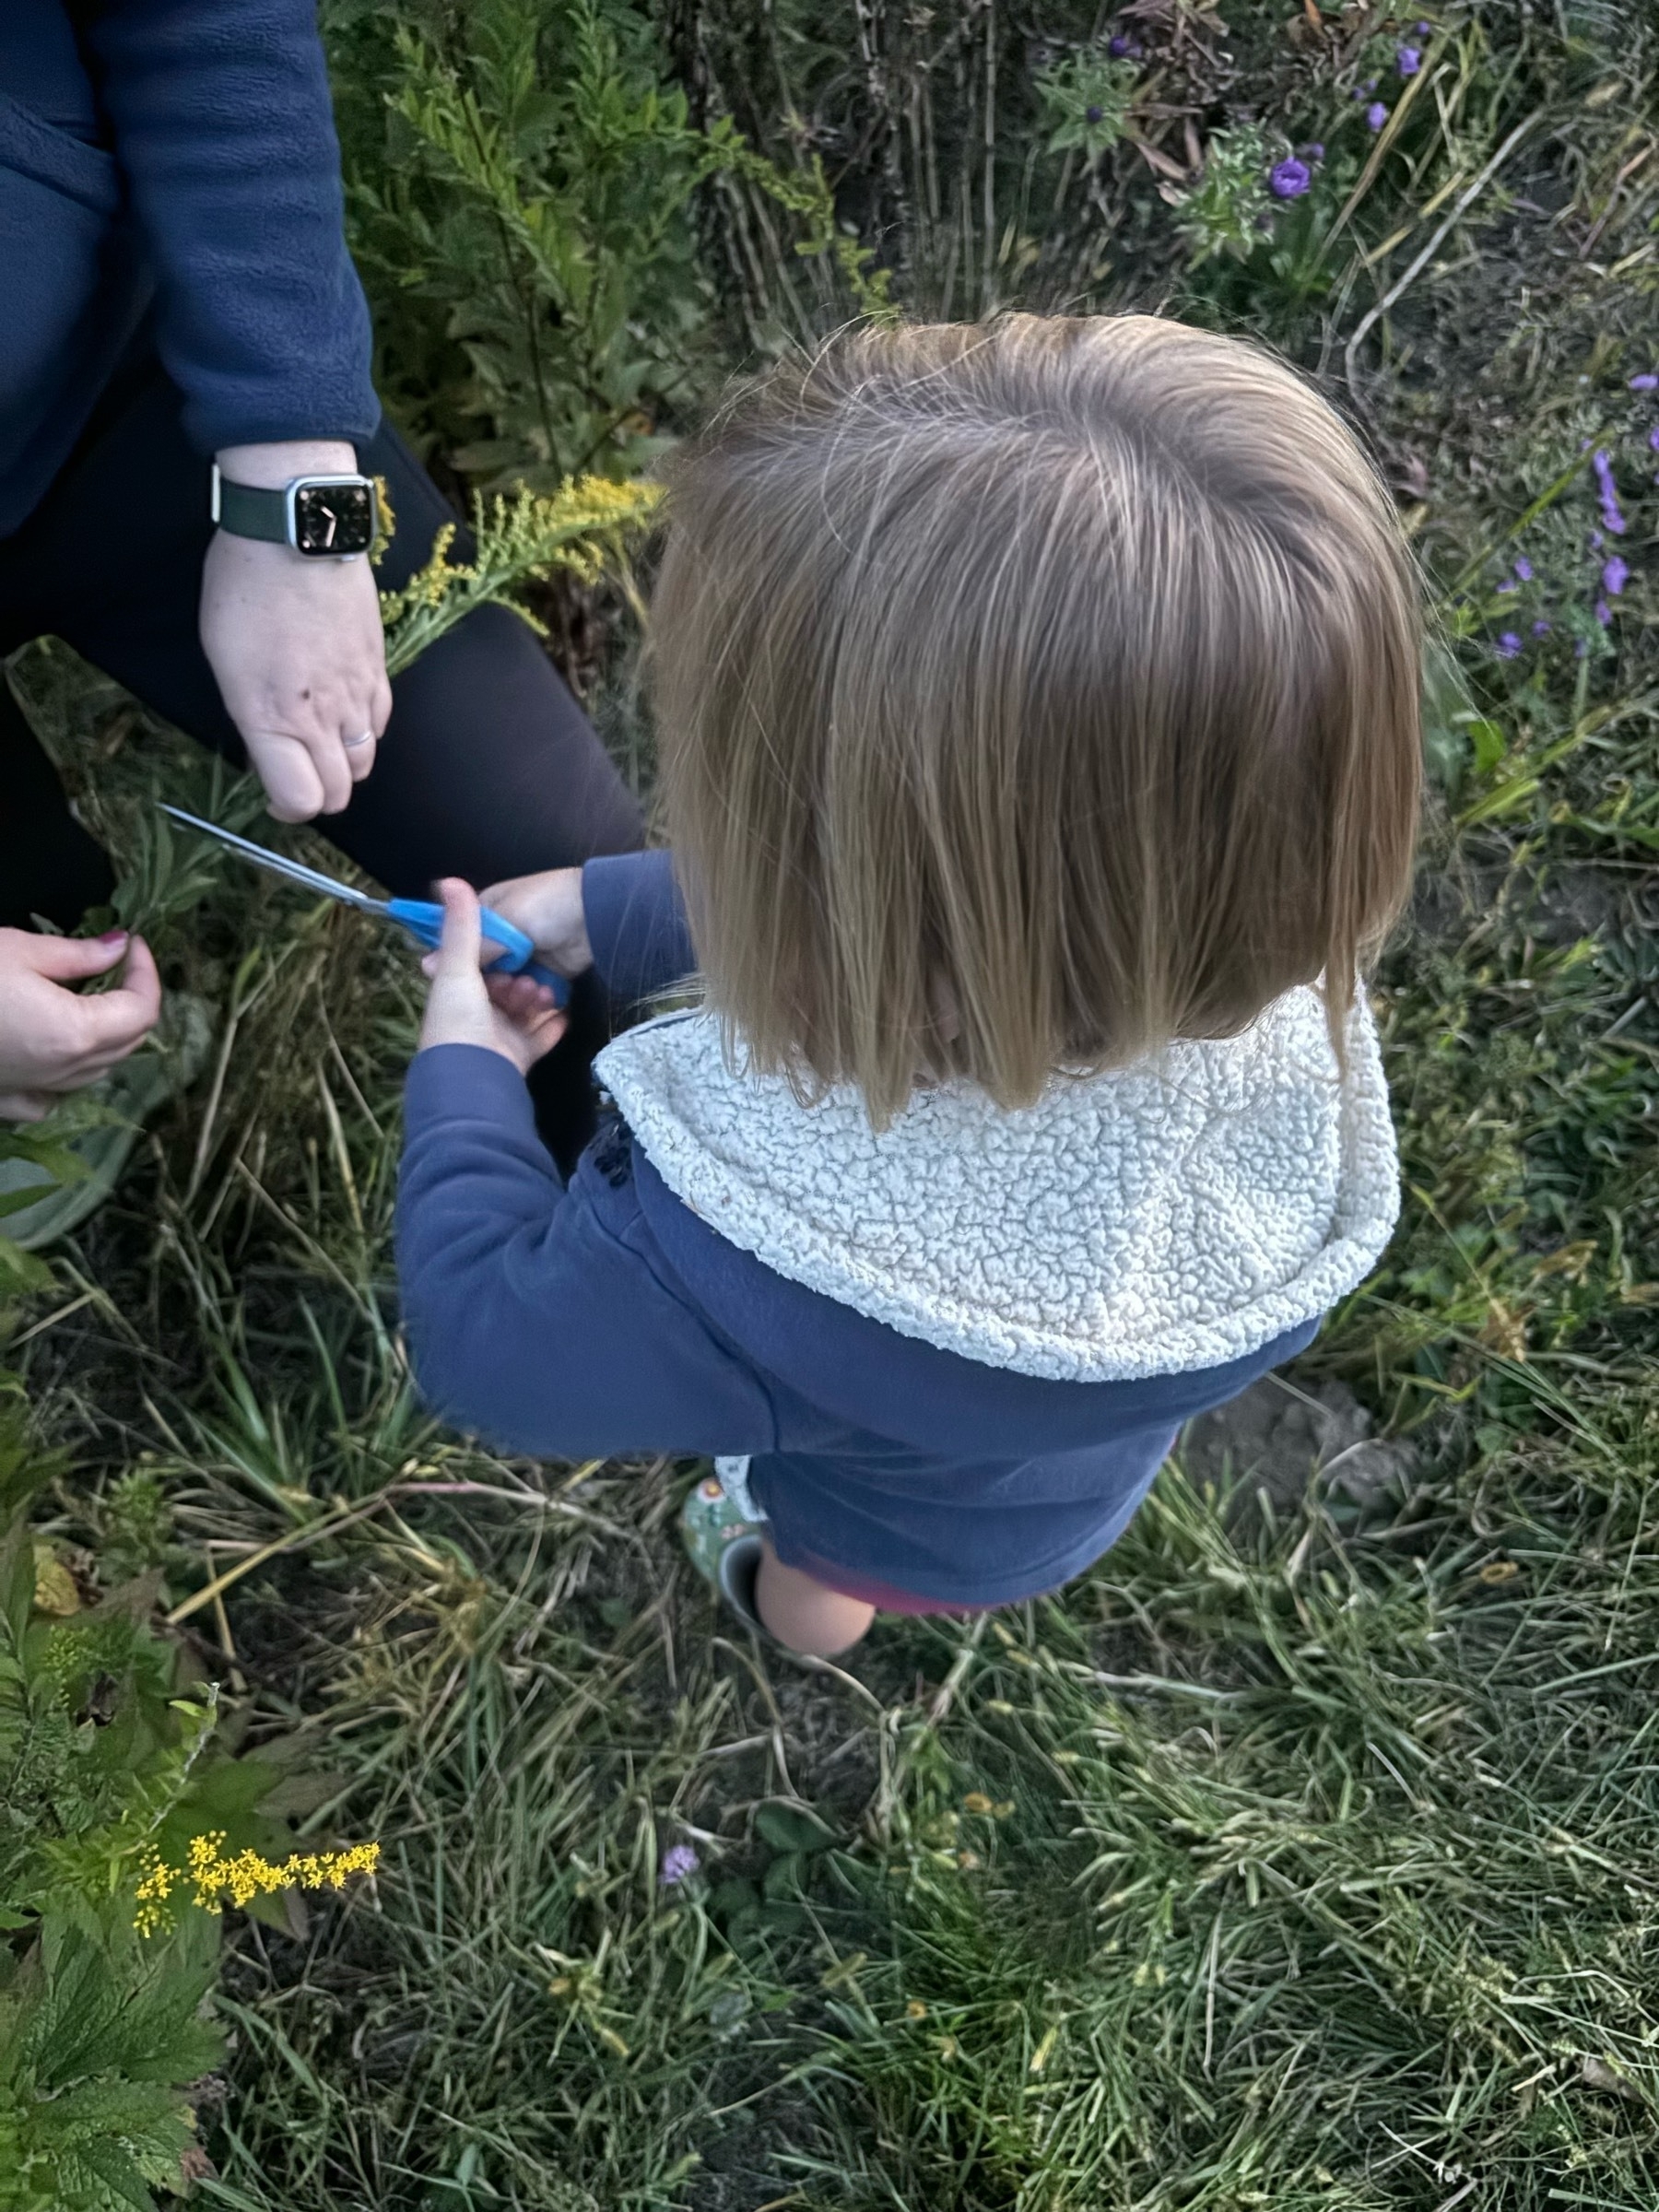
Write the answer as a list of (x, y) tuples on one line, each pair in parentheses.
[(578, 527), (242, 1879)]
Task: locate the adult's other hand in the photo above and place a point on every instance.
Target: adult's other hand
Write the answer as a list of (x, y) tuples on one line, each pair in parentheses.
[(548, 909), (52, 1040), (460, 1009), (297, 646)]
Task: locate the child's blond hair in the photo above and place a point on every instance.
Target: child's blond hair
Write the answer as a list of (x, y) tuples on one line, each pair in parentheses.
[(1030, 694)]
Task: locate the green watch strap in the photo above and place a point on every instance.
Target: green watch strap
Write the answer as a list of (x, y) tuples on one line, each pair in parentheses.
[(247, 511)]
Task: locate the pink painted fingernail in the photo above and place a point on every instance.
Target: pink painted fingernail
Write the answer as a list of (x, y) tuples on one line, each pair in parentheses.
[(114, 936)]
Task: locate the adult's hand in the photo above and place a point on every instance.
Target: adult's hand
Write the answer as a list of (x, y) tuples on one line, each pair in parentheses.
[(52, 1040), (297, 646), (461, 1010), (548, 909)]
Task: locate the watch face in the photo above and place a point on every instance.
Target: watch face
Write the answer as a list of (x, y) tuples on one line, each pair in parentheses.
[(334, 518)]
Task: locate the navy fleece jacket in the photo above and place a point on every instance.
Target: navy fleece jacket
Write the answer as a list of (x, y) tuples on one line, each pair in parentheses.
[(606, 1318), (177, 159)]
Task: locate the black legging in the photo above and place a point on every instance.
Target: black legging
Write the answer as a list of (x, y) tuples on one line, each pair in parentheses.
[(488, 767)]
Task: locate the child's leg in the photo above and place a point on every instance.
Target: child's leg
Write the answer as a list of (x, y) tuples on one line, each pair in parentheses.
[(804, 1614)]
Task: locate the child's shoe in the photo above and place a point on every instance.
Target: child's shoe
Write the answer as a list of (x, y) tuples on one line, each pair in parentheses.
[(724, 1548)]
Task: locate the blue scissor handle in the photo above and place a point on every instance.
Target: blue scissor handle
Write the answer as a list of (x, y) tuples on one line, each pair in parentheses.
[(424, 921)]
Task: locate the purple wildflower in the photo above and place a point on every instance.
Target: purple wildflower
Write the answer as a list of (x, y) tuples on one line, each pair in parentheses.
[(1289, 180), (1580, 650), (1123, 43), (678, 1861), (1524, 567), (1313, 150), (1603, 613), (1654, 437), (1408, 61), (1540, 627), (1509, 584), (1646, 382), (1616, 575), (1596, 541), (1612, 518), (1094, 115), (1376, 115), (1509, 645)]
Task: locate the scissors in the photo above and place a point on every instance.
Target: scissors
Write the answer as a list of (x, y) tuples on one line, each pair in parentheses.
[(421, 917)]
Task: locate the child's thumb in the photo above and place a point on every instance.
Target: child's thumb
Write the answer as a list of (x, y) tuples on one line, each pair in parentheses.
[(461, 943)]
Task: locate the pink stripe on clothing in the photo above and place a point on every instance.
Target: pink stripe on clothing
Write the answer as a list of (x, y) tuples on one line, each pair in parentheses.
[(882, 1595)]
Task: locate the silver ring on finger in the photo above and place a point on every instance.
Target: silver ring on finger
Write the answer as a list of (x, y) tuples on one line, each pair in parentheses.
[(352, 744)]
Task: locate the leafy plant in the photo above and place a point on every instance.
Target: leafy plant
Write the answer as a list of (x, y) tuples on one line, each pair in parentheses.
[(1089, 98), (1223, 211), (522, 178), (107, 1771), (44, 1152), (99, 2050)]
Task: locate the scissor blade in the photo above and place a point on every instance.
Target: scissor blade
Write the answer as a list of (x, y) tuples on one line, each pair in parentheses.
[(293, 870)]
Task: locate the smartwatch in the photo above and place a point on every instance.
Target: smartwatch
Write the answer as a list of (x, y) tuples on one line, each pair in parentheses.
[(326, 518)]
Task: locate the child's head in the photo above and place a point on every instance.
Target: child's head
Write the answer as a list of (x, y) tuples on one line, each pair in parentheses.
[(1030, 694)]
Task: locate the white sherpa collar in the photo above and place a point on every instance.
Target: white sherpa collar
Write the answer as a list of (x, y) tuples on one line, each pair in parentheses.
[(1172, 1215)]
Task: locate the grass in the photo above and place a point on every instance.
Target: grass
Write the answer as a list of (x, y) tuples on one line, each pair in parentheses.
[(1299, 1856)]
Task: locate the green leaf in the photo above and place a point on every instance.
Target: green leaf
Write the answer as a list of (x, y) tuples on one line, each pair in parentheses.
[(1489, 742), (22, 1271), (727, 1900), (793, 1827), (22, 1475), (17, 1583), (1506, 798), (784, 1917), (117, 2172), (782, 1879)]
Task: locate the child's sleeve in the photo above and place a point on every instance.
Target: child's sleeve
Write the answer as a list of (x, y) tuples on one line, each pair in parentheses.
[(538, 1314), (636, 924)]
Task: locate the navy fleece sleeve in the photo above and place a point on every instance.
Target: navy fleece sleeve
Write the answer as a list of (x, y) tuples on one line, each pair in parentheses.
[(636, 924), (539, 1315), (225, 131)]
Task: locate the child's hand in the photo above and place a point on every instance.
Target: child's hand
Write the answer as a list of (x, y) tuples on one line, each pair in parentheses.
[(512, 1015), (547, 908)]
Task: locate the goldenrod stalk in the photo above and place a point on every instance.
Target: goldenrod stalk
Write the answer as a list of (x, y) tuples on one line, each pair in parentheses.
[(240, 1880), (578, 527)]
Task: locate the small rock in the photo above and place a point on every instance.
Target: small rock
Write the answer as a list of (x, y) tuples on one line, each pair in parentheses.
[(1276, 1439), (1595, 2074)]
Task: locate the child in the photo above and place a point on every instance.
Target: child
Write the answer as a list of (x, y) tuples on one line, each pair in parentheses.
[(1037, 710)]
